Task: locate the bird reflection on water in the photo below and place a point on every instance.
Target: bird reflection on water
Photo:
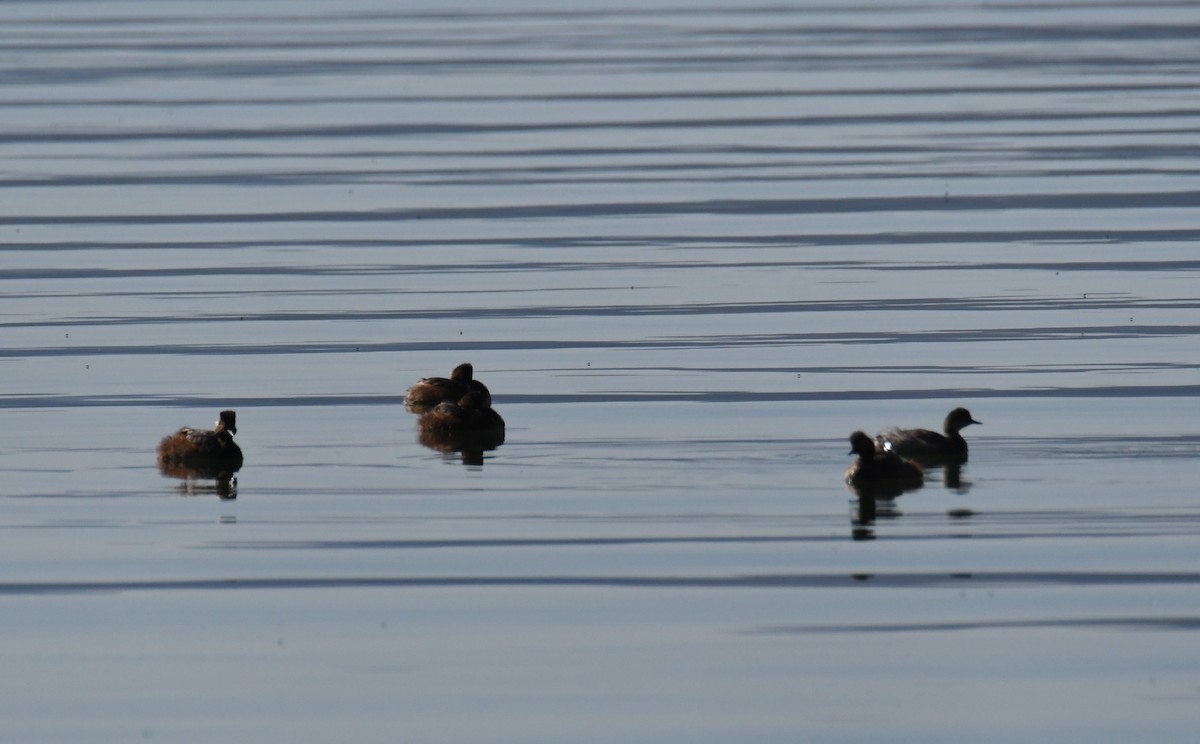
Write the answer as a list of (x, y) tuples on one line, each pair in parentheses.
[(952, 478), (866, 510), (470, 445), (196, 482)]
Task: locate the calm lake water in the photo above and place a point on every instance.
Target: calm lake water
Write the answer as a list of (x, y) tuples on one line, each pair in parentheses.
[(690, 248)]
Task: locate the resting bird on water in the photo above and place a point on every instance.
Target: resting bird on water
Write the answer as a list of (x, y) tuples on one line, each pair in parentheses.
[(928, 447), (203, 451), (880, 474), (430, 391), (471, 414)]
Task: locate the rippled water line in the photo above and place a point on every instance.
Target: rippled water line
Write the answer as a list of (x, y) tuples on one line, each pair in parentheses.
[(929, 304), (864, 338), (1122, 622), (730, 207), (269, 99), (394, 129), (635, 60), (660, 173), (1123, 526), (955, 581), (715, 242)]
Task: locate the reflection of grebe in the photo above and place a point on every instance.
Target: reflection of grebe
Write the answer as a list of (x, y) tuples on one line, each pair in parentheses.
[(224, 485), (472, 414), (928, 447), (202, 453), (470, 445), (880, 474), (431, 391)]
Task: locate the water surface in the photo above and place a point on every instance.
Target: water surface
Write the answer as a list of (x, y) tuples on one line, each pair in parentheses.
[(690, 248)]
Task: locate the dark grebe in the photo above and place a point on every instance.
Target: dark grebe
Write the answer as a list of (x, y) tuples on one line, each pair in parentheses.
[(928, 447), (880, 474), (199, 452)]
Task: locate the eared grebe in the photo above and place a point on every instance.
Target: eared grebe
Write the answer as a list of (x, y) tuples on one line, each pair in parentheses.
[(430, 391), (199, 452), (471, 415), (928, 447), (880, 474)]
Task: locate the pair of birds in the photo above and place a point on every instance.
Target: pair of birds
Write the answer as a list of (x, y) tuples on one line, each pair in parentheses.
[(893, 461), (458, 406), (456, 415)]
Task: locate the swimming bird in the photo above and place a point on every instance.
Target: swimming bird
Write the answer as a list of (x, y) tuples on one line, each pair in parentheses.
[(201, 452), (430, 391), (928, 447), (880, 474), (472, 414)]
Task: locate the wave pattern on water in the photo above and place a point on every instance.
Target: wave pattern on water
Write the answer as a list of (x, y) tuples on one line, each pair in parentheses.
[(777, 581), (690, 248)]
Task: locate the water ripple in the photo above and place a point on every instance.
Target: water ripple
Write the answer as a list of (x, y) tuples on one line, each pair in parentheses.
[(756, 581)]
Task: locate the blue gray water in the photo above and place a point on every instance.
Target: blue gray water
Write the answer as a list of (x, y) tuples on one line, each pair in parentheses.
[(690, 248)]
